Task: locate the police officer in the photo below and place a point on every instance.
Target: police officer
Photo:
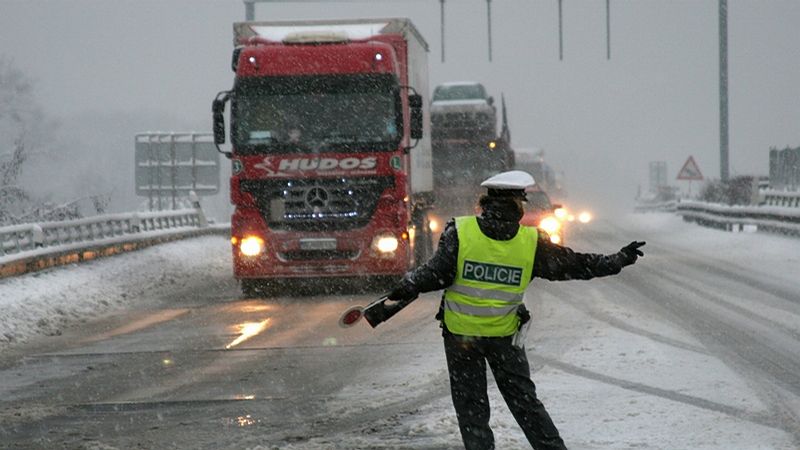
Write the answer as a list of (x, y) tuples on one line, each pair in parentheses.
[(485, 264)]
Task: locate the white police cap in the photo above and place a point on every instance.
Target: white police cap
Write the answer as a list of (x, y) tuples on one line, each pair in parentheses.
[(513, 179), (509, 184)]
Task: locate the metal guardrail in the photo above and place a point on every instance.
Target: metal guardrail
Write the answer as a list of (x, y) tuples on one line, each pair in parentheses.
[(30, 247), (22, 238), (778, 219), (644, 207), (785, 199)]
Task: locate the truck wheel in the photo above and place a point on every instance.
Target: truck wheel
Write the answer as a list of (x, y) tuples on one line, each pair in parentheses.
[(423, 242), (428, 240), (260, 288), (250, 288)]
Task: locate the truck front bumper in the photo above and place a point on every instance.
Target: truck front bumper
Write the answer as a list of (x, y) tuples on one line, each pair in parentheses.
[(340, 254)]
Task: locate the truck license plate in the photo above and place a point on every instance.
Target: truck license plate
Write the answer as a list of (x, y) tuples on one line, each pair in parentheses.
[(317, 244)]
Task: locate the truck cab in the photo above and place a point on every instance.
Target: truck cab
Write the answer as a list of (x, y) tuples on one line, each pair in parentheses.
[(330, 155), (466, 147), (463, 108)]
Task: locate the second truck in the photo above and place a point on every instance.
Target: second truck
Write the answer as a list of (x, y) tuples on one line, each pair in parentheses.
[(331, 155), (466, 146)]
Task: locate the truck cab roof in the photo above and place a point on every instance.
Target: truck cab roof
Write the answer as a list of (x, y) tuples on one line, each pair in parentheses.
[(311, 31), (460, 91)]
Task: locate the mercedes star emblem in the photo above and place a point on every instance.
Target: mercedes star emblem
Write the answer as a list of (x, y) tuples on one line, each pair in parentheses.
[(317, 197)]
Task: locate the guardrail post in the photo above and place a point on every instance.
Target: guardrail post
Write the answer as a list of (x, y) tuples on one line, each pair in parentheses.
[(755, 193), (193, 197), (37, 235), (135, 223)]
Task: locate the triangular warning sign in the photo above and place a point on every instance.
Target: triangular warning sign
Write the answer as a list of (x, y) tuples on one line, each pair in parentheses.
[(690, 171)]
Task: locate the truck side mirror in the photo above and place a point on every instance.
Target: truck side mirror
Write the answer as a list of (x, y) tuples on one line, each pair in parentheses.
[(415, 105), (235, 58), (218, 109), (490, 100)]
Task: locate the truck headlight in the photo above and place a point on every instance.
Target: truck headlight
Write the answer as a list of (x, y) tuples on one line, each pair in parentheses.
[(550, 224), (434, 225), (251, 246), (385, 243), (585, 217)]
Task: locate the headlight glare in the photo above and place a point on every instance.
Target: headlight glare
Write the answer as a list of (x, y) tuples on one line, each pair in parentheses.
[(251, 246), (550, 224), (433, 224), (385, 243)]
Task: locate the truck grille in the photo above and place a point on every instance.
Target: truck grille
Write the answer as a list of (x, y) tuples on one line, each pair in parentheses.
[(461, 120), (477, 127), (329, 204)]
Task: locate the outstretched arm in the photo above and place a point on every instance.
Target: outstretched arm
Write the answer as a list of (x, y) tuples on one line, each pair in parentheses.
[(554, 262), (437, 273)]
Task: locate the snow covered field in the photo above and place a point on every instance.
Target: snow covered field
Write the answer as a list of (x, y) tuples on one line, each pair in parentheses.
[(612, 372)]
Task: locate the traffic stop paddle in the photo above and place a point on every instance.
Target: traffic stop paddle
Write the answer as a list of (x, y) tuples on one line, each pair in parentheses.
[(375, 313)]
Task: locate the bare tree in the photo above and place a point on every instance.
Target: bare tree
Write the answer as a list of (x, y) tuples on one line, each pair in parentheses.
[(22, 127), (16, 105), (26, 134)]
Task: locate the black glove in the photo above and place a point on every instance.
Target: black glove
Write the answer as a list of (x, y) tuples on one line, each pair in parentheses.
[(631, 251), (523, 314), (405, 291)]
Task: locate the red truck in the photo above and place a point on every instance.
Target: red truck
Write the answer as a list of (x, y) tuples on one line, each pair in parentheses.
[(331, 156)]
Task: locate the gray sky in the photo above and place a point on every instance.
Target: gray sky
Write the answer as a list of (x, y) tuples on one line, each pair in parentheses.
[(599, 121)]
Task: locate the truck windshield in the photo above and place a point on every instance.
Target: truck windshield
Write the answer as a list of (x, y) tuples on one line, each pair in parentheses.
[(459, 92), (299, 114)]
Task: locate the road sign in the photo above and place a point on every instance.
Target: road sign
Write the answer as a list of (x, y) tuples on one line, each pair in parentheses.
[(170, 165), (690, 171)]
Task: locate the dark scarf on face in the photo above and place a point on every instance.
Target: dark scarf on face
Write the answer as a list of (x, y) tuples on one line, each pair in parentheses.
[(500, 217)]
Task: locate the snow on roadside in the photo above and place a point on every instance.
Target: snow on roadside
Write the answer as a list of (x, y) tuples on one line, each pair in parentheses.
[(767, 253), (43, 303)]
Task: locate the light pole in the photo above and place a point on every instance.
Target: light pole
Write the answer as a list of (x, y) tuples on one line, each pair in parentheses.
[(723, 90), (489, 22), (441, 25), (560, 33)]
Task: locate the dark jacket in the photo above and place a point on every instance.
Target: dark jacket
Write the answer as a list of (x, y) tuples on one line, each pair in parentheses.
[(552, 261)]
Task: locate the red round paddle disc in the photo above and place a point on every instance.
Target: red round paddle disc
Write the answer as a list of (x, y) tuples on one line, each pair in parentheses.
[(351, 316)]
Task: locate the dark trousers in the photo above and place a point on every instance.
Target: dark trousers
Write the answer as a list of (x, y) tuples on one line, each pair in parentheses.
[(466, 363)]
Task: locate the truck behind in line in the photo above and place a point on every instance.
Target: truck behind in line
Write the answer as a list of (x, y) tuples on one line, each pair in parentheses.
[(466, 146)]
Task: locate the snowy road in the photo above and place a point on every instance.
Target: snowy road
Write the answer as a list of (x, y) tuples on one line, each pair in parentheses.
[(697, 346)]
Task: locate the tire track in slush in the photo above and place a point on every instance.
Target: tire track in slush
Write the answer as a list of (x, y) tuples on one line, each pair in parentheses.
[(748, 354), (752, 356), (540, 359)]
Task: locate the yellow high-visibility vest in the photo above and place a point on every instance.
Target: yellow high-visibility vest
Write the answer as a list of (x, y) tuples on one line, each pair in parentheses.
[(490, 281)]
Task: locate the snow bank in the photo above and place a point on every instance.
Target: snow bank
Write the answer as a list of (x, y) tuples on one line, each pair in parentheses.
[(766, 253), (43, 303)]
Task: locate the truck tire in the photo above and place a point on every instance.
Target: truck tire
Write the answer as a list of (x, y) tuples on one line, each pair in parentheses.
[(256, 288), (423, 241)]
